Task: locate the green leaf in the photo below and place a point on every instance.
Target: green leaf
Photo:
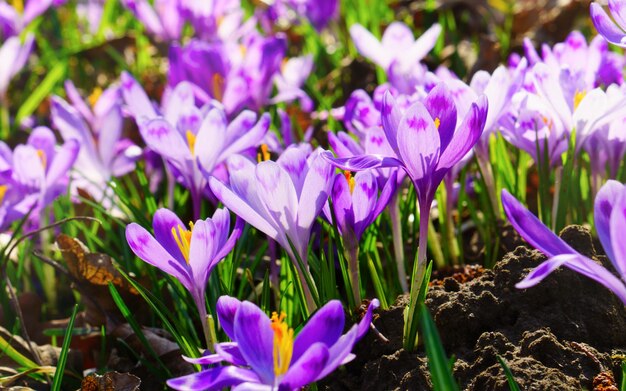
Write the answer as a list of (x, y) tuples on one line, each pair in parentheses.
[(58, 374), (56, 74), (513, 386), (438, 363)]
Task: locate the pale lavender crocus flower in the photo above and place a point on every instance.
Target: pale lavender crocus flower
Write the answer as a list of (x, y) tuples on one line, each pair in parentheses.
[(289, 82), (13, 56), (266, 354), (189, 255), (281, 199), (33, 175), (193, 141), (355, 206), (104, 154), (213, 19), (398, 53), (610, 223), (14, 18)]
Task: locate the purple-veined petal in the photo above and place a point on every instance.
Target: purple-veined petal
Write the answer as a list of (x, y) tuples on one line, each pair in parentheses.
[(533, 230), (71, 126), (397, 40), (251, 138), (278, 193), (206, 360), (466, 135), (325, 326), (215, 378), (602, 209), (165, 140), (211, 138), (232, 240), (202, 251), (255, 337), (307, 368), (136, 99), (440, 104), (227, 308), (180, 98), (294, 161), (111, 126), (229, 351), (418, 142), (618, 11), (390, 117), (163, 222), (579, 264), (146, 247), (424, 44), (364, 200), (27, 166)]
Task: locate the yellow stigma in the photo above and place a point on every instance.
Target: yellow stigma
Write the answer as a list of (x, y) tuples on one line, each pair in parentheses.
[(264, 154), (218, 86), (243, 49), (191, 141), (18, 5), (437, 123), (350, 179), (3, 192), (283, 344), (43, 158), (183, 239), (578, 97), (95, 95)]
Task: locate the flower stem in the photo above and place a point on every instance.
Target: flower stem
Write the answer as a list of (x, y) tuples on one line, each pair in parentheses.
[(422, 253), (196, 201), (353, 264), (398, 246), (205, 323)]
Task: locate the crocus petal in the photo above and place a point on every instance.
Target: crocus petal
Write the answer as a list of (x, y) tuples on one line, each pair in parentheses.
[(227, 308), (466, 135), (307, 368), (618, 11), (390, 119), (149, 250), (363, 162), (136, 99), (229, 351), (339, 353), (325, 326), (111, 127), (440, 105), (424, 44), (397, 39), (165, 140), (71, 126), (232, 240), (618, 228), (63, 161), (315, 190), (603, 207), (34, 8), (211, 139), (255, 337), (278, 193), (215, 378), (418, 142), (251, 138), (364, 200), (369, 46), (205, 360), (163, 222), (364, 325), (579, 264), (27, 167), (533, 230), (252, 387), (202, 251)]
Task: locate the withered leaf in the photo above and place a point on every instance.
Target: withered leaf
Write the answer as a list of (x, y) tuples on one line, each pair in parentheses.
[(110, 381)]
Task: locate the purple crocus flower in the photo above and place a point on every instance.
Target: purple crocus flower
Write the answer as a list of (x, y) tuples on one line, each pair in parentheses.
[(189, 255), (192, 140), (13, 56), (426, 143), (398, 53), (33, 175), (213, 19), (356, 204), (290, 80), (267, 355), (611, 29), (104, 153), (610, 222), (14, 18), (163, 20), (281, 199)]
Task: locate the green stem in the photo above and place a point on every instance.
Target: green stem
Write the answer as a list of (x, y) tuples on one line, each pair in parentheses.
[(398, 245)]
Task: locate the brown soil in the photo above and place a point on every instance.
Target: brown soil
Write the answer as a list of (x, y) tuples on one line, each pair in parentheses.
[(559, 335)]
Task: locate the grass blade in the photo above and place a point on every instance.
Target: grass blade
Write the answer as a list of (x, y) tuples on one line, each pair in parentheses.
[(58, 374), (513, 386)]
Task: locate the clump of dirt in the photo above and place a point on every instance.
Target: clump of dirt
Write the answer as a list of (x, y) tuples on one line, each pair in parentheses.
[(558, 335)]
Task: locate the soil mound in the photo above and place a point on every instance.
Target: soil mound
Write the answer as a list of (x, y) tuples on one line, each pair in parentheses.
[(558, 335)]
